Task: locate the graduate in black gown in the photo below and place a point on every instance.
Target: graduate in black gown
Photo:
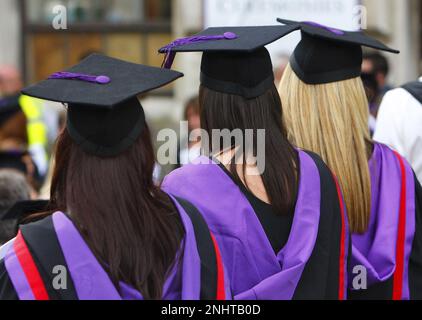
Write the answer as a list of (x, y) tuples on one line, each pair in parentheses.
[(280, 222), (322, 89), (111, 231)]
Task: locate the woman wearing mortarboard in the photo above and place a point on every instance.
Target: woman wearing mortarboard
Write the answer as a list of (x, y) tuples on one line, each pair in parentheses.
[(110, 233), (276, 211), (325, 110)]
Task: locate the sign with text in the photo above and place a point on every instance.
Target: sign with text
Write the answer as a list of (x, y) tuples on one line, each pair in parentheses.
[(343, 14)]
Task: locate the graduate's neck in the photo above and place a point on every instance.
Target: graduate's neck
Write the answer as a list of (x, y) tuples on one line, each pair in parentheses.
[(247, 172)]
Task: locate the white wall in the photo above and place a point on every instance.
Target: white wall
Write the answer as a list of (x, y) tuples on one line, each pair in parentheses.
[(9, 33)]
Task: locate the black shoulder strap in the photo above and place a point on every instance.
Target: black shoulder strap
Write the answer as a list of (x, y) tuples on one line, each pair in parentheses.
[(45, 249), (321, 276), (206, 250), (415, 89)]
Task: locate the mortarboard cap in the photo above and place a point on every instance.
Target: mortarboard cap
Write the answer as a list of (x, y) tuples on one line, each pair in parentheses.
[(326, 54), (234, 59), (104, 114), (22, 209), (9, 106)]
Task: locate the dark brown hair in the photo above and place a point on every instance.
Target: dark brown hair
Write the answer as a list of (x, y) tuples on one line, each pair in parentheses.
[(131, 226), (227, 111)]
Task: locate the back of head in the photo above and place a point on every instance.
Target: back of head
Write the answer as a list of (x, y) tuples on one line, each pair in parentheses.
[(129, 224), (13, 188), (331, 119), (378, 63), (326, 109), (221, 111), (103, 175)]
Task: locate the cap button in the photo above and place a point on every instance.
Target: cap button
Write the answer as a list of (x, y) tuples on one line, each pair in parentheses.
[(102, 79), (229, 35)]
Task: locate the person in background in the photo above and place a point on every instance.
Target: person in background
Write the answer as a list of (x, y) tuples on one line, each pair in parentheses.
[(117, 235), (45, 188), (372, 91), (10, 81), (326, 110), (399, 123), (13, 188), (276, 211), (22, 162), (281, 62), (377, 64), (32, 110), (14, 133), (192, 116)]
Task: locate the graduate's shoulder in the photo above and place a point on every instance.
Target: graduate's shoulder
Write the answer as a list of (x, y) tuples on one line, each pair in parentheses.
[(4, 248), (390, 150), (318, 161), (7, 291), (191, 174)]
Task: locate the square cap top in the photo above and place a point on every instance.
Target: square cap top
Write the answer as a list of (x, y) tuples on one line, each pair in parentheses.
[(245, 39), (235, 60), (341, 36), (101, 81)]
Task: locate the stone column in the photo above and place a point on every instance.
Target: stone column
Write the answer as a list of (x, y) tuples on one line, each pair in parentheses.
[(10, 33), (406, 38)]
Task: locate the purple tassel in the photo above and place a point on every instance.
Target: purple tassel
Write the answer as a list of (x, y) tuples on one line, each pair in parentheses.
[(333, 30), (169, 57), (80, 76)]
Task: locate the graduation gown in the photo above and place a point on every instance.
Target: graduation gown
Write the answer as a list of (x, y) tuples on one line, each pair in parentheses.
[(27, 265), (313, 262), (391, 249)]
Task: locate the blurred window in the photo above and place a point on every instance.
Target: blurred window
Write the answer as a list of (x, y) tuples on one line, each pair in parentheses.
[(132, 30)]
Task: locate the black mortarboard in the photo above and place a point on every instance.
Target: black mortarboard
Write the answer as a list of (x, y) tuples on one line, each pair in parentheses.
[(11, 159), (234, 59), (104, 115), (326, 54), (9, 106), (22, 209)]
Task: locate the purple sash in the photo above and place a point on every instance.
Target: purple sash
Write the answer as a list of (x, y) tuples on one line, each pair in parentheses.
[(376, 249), (17, 277), (90, 280), (256, 271)]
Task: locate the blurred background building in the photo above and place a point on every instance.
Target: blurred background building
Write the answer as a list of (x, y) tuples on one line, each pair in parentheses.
[(134, 29)]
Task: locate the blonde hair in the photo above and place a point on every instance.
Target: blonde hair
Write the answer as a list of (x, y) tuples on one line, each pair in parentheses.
[(332, 120)]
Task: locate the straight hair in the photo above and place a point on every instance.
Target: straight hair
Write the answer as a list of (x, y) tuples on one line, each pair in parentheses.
[(227, 111), (332, 120), (131, 226)]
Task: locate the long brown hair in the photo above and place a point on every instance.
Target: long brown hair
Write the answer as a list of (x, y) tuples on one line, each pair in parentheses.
[(227, 111), (332, 120), (130, 225)]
